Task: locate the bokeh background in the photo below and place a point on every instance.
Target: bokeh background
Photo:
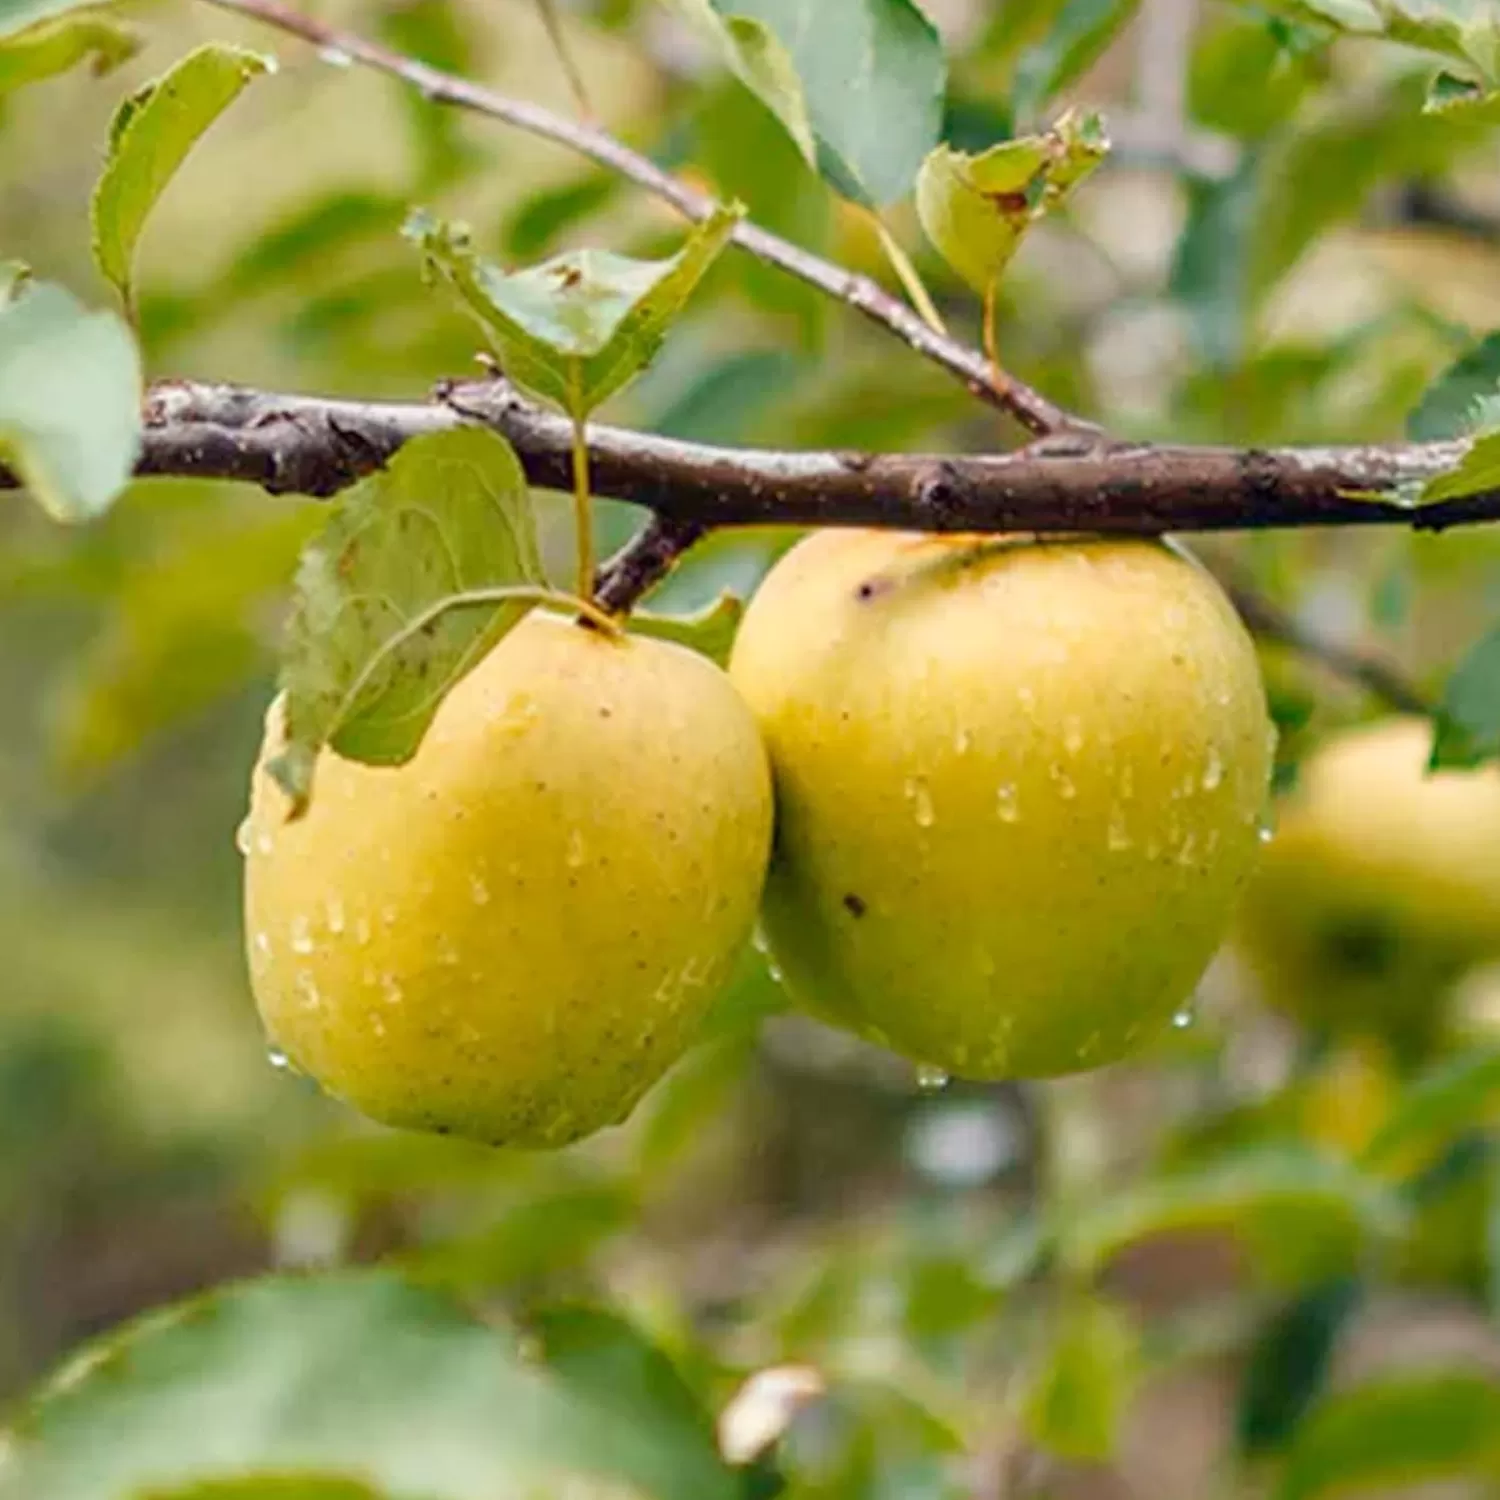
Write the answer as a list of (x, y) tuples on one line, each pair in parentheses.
[(1282, 249)]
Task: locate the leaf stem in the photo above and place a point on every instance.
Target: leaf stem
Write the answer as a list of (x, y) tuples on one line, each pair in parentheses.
[(921, 299), (991, 342), (583, 511)]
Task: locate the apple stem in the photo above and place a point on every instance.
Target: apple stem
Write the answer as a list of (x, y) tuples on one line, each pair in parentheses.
[(583, 514)]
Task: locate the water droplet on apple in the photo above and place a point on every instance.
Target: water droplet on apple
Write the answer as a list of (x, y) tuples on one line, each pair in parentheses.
[(1007, 802), (1184, 1018), (1213, 771), (302, 939), (479, 891), (335, 915), (242, 837)]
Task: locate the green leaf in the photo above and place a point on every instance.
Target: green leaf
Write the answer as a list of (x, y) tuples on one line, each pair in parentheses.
[(152, 133), (1288, 1363), (1447, 409), (361, 1377), (577, 328), (975, 209), (1468, 718), (70, 401), (17, 15), (710, 631), (601, 1356), (1298, 1213), (1076, 37), (1397, 1431), (399, 597), (1478, 473), (858, 84), (1075, 1407), (1439, 1106), (56, 45)]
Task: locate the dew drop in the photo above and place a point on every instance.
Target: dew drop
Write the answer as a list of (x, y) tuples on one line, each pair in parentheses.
[(1184, 1018), (931, 1079), (961, 742), (1213, 771), (361, 931), (278, 1059), (263, 844), (575, 850), (390, 991), (307, 987), (1189, 850), (1118, 835), (242, 837), (377, 1025), (921, 801), (388, 916), (1007, 802), (302, 939), (335, 57), (479, 891), (1264, 831), (1065, 788), (335, 915), (1072, 736)]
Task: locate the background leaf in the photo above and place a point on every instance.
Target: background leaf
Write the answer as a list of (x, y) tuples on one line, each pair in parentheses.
[(1397, 1431), (364, 1378), (53, 46), (1447, 409), (1468, 718), (451, 514), (711, 630), (70, 392), (152, 134), (1075, 1407), (858, 83)]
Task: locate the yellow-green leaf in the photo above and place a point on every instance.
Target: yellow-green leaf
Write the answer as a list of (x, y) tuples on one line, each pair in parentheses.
[(977, 209), (710, 630), (152, 133), (53, 46)]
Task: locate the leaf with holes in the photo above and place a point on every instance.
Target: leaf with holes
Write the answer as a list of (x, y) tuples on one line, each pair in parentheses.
[(976, 209), (360, 1377), (858, 84), (70, 399), (401, 594), (62, 42), (577, 328), (151, 135)]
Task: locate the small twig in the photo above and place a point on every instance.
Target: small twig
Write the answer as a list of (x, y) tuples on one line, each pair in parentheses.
[(644, 561), (1029, 407), (1268, 620), (553, 24)]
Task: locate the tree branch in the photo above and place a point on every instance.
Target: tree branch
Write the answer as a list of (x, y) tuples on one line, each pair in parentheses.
[(1029, 407), (308, 445)]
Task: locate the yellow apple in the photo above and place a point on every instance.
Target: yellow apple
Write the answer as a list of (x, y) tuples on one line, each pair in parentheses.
[(1018, 785), (512, 936), (1381, 887)]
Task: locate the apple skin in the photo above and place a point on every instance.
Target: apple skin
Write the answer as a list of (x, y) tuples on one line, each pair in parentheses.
[(513, 935), (1380, 889), (1019, 786)]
